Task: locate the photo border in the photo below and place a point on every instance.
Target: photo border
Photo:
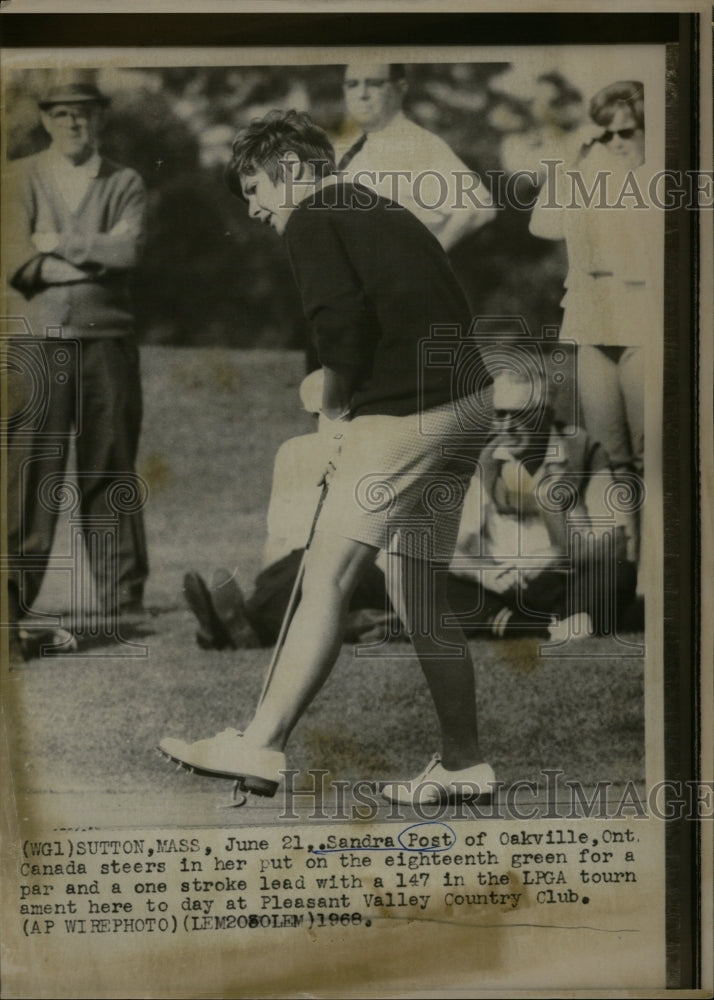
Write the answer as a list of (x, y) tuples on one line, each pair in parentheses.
[(685, 459)]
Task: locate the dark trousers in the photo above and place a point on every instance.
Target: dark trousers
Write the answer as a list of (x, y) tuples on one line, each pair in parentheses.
[(552, 592), (266, 607), (604, 595), (89, 391)]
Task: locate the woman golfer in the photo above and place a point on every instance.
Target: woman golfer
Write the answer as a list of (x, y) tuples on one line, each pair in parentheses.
[(378, 293)]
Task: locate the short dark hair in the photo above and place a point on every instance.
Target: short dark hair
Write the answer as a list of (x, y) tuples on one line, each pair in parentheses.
[(628, 93), (260, 146), (565, 92)]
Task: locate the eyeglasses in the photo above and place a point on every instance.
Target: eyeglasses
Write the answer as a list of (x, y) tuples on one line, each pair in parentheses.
[(624, 133), (63, 115)]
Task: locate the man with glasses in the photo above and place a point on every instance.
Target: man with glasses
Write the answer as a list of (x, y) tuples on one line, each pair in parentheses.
[(404, 162), (75, 228), (539, 548)]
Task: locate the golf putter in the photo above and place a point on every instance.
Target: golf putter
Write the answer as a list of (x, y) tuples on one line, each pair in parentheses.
[(292, 603), (257, 785), (239, 797)]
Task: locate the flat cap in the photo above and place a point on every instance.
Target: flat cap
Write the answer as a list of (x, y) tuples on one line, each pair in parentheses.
[(72, 93)]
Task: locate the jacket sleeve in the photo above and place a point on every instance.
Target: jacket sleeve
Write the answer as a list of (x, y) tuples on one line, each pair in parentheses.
[(547, 218), (333, 299), (23, 261), (120, 248), (462, 202)]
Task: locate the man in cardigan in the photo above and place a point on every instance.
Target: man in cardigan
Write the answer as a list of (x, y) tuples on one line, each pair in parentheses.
[(75, 228)]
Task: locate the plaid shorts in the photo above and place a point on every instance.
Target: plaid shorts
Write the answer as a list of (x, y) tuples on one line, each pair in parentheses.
[(396, 486)]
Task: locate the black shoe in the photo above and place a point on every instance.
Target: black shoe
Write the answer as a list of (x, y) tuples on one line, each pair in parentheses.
[(211, 634), (16, 648), (40, 642), (508, 624), (633, 617), (229, 607)]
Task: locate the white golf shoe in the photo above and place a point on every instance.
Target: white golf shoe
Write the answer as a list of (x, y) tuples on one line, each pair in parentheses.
[(229, 755), (435, 784)]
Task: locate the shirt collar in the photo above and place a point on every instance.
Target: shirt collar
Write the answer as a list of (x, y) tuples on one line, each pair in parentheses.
[(61, 163)]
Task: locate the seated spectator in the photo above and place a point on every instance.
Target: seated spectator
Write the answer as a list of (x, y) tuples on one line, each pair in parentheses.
[(540, 547), (539, 551)]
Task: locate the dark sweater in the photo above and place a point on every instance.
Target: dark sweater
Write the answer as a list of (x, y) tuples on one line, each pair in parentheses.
[(374, 282)]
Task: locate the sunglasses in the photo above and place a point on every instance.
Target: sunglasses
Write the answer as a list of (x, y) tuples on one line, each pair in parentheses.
[(624, 133), (522, 419)]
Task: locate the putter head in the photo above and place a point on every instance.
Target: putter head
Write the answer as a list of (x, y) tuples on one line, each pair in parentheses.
[(238, 797)]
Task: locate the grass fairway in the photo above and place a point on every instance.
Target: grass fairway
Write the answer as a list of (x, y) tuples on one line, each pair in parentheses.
[(213, 421)]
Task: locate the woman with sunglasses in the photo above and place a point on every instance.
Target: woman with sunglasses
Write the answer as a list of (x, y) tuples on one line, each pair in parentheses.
[(611, 306)]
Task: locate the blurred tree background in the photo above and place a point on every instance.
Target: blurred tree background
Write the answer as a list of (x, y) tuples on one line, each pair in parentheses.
[(210, 276)]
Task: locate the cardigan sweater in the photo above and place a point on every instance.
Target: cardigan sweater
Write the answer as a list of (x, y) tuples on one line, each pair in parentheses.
[(102, 237)]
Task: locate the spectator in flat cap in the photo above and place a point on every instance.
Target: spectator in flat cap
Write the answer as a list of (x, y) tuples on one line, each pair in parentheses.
[(77, 92), (74, 233)]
